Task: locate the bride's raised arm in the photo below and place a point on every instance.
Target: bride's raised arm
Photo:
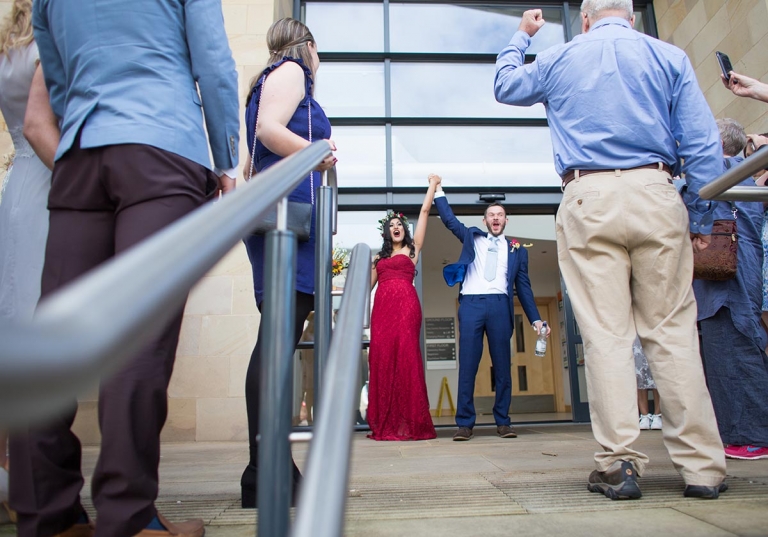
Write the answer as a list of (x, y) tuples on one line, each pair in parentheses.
[(421, 225)]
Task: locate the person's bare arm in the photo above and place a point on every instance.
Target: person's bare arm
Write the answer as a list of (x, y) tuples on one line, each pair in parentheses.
[(41, 126), (282, 93), (421, 226), (744, 86), (374, 273)]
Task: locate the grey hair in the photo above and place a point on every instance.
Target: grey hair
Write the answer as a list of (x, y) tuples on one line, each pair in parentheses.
[(733, 136), (593, 8)]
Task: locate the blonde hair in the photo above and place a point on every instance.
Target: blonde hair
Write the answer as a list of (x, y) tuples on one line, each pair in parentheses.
[(288, 37), (16, 30)]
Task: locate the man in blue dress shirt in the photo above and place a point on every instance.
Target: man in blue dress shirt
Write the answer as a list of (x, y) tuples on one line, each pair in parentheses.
[(123, 78), (624, 109)]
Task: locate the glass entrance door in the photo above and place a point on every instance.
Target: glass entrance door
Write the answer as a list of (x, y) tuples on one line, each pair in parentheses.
[(575, 349)]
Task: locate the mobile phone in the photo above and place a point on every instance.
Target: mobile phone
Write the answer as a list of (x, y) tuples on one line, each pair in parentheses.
[(725, 64)]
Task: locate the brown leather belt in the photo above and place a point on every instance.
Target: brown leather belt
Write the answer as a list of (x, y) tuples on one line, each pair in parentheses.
[(570, 175)]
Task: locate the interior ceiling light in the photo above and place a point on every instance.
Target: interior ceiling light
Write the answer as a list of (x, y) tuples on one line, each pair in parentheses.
[(527, 245)]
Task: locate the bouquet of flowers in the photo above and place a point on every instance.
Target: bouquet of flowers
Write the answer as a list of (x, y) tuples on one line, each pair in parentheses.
[(340, 260)]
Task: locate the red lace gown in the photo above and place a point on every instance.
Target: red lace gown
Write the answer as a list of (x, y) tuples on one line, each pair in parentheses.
[(398, 406)]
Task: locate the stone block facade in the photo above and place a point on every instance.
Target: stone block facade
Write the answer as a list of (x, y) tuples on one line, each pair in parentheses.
[(739, 28)]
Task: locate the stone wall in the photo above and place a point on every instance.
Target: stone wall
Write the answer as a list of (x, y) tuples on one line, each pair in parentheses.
[(739, 28)]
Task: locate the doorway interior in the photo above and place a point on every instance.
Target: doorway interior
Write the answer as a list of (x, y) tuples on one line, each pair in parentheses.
[(540, 385)]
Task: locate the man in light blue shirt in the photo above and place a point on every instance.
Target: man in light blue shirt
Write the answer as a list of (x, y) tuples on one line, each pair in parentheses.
[(623, 110), (143, 90)]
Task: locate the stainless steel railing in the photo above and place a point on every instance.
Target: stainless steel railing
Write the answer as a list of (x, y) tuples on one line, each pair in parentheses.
[(724, 187), (88, 328), (327, 208), (323, 494)]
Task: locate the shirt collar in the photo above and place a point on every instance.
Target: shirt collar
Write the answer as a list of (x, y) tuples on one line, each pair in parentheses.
[(611, 20)]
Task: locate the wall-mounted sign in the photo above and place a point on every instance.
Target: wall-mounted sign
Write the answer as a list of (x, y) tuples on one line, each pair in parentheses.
[(440, 328), (441, 351), (440, 342)]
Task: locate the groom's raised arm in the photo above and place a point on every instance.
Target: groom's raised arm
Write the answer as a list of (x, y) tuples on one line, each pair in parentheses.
[(448, 218)]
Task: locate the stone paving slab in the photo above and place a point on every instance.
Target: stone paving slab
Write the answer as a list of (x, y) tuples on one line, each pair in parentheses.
[(534, 485)]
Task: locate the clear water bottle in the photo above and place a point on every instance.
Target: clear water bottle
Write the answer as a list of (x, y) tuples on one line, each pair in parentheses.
[(541, 341)]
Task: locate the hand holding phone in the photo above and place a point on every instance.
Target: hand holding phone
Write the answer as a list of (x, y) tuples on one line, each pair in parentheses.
[(725, 65)]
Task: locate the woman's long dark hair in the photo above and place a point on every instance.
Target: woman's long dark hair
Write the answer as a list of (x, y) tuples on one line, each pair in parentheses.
[(386, 247)]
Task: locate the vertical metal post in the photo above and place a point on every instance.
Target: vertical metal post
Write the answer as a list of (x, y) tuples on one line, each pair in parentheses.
[(324, 219), (275, 469), (325, 489)]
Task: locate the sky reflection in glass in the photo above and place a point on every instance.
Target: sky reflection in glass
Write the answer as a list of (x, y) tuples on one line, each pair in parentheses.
[(473, 28)]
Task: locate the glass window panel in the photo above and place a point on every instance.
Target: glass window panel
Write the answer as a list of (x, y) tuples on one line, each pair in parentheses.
[(351, 89), (358, 227), (640, 21), (362, 156), (473, 156), (451, 90), (347, 27), (471, 28), (575, 16)]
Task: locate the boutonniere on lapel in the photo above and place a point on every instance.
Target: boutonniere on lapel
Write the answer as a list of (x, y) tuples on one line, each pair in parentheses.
[(514, 244)]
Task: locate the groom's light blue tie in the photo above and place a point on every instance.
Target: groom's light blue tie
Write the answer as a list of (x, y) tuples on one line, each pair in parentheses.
[(492, 259)]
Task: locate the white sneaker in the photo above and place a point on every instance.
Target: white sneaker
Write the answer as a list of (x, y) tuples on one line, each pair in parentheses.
[(645, 422), (656, 422)]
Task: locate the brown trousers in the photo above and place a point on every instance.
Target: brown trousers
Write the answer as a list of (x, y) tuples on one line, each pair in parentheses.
[(103, 201), (626, 257)]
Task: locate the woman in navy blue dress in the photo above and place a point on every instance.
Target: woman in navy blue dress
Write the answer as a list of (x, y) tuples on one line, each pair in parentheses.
[(281, 107)]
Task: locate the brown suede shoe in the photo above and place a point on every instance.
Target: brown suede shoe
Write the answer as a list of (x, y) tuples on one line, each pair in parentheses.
[(506, 431), (79, 530), (617, 483), (188, 528), (463, 434)]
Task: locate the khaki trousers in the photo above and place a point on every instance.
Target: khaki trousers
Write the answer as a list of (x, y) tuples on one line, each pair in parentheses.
[(626, 257)]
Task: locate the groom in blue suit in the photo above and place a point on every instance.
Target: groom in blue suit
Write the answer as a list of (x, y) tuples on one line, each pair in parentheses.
[(488, 271), (123, 78)]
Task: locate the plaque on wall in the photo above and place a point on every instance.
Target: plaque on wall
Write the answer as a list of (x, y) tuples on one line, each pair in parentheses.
[(441, 352), (440, 328)]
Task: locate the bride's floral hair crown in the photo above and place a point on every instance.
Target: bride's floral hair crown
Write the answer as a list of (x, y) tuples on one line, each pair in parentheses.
[(391, 214)]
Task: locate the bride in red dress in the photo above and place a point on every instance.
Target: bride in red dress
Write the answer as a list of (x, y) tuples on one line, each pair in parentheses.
[(398, 406)]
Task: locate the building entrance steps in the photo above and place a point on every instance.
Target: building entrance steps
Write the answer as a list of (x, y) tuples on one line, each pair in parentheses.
[(536, 484)]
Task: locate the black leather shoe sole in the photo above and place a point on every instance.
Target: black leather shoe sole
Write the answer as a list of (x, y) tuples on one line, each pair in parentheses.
[(704, 492), (457, 438)]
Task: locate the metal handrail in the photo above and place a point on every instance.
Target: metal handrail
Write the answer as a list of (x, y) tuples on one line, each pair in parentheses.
[(88, 328), (330, 178), (724, 187), (323, 493)]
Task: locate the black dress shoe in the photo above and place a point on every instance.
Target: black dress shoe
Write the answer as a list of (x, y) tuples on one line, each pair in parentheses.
[(248, 487), (703, 491), (618, 484), (463, 434), (249, 483)]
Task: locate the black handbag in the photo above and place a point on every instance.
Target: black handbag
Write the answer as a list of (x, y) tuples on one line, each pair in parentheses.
[(299, 213)]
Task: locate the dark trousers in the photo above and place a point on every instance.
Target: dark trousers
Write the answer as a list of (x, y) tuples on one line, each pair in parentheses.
[(481, 315), (737, 377), (103, 201)]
